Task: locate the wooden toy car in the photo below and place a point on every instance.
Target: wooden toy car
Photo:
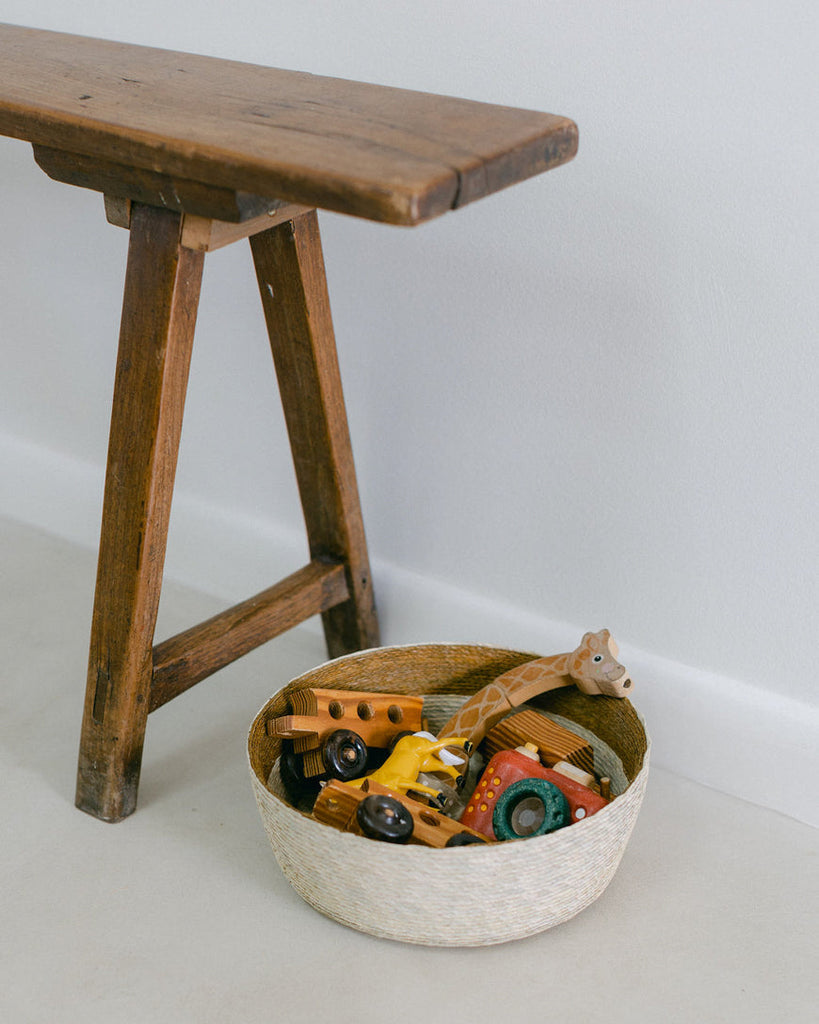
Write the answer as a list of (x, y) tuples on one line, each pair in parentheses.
[(378, 812), (518, 797), (332, 733)]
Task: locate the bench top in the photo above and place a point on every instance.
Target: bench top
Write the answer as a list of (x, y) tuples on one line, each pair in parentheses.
[(372, 151)]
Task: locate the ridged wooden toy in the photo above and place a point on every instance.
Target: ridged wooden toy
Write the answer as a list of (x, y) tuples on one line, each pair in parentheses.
[(554, 742)]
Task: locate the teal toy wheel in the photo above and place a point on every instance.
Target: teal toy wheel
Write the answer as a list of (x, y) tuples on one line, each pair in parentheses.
[(530, 807)]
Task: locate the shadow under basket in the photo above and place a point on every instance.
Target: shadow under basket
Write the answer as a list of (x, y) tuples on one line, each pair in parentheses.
[(469, 895)]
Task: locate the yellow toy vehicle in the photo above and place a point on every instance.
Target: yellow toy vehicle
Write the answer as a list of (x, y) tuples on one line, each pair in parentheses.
[(419, 753)]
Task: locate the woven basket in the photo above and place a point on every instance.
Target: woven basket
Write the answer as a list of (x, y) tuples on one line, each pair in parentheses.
[(468, 895)]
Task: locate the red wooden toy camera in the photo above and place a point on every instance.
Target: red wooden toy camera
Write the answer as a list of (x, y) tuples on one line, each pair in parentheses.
[(517, 797)]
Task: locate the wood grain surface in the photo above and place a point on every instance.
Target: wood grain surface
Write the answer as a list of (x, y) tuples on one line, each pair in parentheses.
[(196, 653), (373, 151), (290, 273), (158, 317)]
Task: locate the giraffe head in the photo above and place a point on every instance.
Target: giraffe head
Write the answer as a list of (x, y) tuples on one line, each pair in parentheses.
[(595, 668)]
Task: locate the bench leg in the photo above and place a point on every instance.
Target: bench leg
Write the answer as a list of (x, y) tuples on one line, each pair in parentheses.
[(159, 312), (290, 270)]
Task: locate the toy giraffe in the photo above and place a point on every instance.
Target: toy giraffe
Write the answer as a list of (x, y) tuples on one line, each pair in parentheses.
[(593, 668)]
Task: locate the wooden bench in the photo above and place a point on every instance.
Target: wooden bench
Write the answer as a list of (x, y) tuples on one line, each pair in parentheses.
[(193, 153)]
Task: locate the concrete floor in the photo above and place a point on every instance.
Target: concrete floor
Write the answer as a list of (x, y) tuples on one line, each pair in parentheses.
[(180, 914)]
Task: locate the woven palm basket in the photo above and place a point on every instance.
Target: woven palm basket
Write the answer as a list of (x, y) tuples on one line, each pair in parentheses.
[(469, 895)]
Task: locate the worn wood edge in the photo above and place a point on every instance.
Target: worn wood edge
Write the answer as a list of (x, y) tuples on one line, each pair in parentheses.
[(205, 234), (393, 204), (117, 211), (196, 653), (154, 144), (511, 167), (390, 204), (152, 188)]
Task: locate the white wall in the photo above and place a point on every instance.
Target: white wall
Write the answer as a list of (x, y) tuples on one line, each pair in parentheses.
[(588, 400)]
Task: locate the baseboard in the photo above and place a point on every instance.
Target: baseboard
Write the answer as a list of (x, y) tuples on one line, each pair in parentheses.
[(715, 730)]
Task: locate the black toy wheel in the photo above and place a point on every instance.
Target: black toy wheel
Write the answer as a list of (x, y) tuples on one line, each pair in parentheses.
[(398, 736), (530, 807), (345, 755), (464, 839), (296, 784), (385, 818)]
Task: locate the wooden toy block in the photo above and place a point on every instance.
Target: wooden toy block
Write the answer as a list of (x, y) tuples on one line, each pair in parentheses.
[(579, 775), (338, 806), (313, 763), (376, 717), (554, 742)]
